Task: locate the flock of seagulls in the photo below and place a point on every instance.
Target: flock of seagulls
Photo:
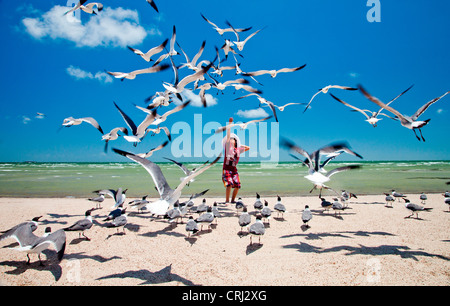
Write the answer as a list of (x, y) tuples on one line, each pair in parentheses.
[(168, 205)]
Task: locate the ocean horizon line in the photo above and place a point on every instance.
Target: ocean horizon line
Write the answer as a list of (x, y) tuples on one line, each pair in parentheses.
[(241, 162)]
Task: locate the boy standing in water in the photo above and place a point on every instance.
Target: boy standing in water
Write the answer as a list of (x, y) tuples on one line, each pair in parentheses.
[(230, 175)]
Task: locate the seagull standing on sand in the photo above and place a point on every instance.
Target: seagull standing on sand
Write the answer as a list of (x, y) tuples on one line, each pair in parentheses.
[(414, 208), (139, 204), (205, 218), (258, 203), (266, 212), (191, 226), (244, 219), (175, 213), (389, 199), (410, 122), (115, 213), (257, 229), (82, 225), (98, 200), (202, 207), (239, 205), (423, 198), (120, 221), (337, 206), (279, 207), (447, 201), (325, 204), (57, 240), (397, 195), (70, 121), (306, 216)]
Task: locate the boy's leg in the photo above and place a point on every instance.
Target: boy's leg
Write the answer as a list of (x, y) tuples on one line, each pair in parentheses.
[(227, 194), (235, 192)]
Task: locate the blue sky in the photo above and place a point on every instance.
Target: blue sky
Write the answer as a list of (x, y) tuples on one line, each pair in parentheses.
[(53, 68)]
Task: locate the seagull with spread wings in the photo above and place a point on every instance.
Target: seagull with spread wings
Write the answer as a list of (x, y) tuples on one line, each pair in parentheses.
[(373, 118), (409, 122), (316, 176)]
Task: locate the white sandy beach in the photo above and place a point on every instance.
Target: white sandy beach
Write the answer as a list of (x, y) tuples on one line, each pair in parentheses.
[(369, 244)]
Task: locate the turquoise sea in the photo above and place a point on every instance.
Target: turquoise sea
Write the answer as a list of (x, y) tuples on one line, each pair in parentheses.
[(78, 180)]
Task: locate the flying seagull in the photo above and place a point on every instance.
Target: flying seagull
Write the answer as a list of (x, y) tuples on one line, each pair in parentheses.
[(186, 171), (243, 125), (113, 135), (168, 196), (221, 31), (150, 153), (325, 90), (138, 132), (372, 117), (153, 4), (240, 44), (132, 75), (273, 73), (70, 121), (88, 8), (313, 162), (410, 122), (155, 50)]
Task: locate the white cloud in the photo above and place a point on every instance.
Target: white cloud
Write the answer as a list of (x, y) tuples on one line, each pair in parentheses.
[(440, 111), (195, 99), (252, 113), (111, 27), (80, 74), (353, 74)]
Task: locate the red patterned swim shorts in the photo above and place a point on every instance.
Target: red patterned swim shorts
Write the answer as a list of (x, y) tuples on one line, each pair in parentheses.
[(231, 178)]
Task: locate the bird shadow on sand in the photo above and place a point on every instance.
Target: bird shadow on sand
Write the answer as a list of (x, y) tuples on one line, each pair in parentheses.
[(52, 265), (400, 250), (251, 248), (191, 240), (280, 219), (162, 276), (98, 258), (343, 234), (165, 231), (78, 240)]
